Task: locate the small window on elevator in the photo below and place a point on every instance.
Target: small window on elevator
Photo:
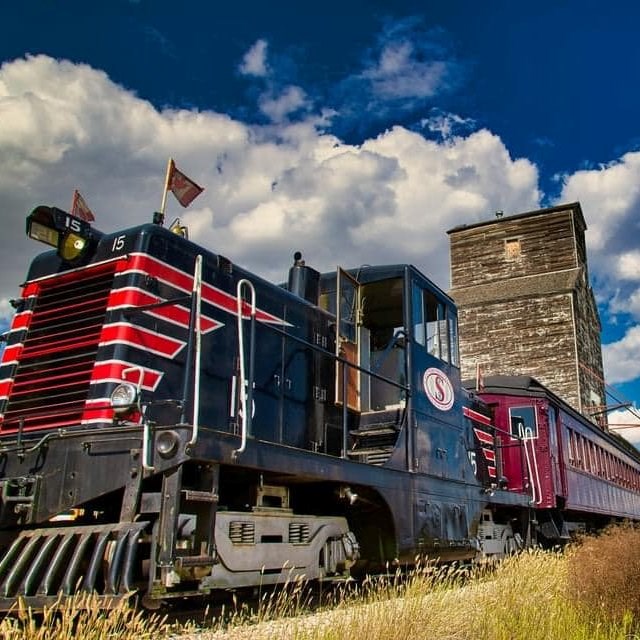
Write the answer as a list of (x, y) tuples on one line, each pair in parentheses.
[(512, 249)]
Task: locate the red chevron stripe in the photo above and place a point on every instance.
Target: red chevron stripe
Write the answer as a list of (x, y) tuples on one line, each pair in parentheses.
[(144, 263), (489, 454), (135, 297), (98, 410), (483, 436), (478, 417), (113, 370), (31, 289), (126, 333), (5, 387)]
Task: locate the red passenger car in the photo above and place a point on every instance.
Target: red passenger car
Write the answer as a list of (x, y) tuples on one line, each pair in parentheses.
[(578, 475)]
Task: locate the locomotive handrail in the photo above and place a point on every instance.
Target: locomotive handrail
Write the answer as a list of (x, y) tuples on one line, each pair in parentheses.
[(146, 440), (140, 372), (245, 398), (146, 433), (196, 304), (526, 435), (130, 311), (526, 457), (337, 358), (529, 433)]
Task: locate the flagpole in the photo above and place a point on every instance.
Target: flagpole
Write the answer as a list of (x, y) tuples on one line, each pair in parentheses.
[(166, 186)]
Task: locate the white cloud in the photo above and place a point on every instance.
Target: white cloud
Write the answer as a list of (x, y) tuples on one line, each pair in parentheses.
[(6, 313), (254, 62), (400, 74), (269, 190), (626, 419), (278, 107), (622, 358), (624, 300), (403, 73), (628, 265), (447, 123), (610, 197)]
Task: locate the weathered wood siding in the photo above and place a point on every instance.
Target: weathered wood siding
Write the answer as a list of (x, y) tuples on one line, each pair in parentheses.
[(588, 330), (504, 339), (525, 304), (478, 254)]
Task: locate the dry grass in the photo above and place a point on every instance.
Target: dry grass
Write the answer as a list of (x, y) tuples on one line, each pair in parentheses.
[(527, 597), (604, 572), (533, 596), (81, 617)]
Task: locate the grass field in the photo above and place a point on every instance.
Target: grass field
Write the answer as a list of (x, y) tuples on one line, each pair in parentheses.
[(590, 592)]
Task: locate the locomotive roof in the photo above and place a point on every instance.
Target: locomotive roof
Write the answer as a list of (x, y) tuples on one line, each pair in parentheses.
[(373, 273)]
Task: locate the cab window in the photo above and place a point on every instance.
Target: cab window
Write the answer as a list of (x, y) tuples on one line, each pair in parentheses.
[(435, 325)]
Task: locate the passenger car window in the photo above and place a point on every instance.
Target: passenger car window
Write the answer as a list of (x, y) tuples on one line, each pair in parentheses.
[(523, 422)]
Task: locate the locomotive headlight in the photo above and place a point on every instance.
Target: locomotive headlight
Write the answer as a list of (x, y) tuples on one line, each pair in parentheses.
[(71, 236), (124, 398), (71, 246), (167, 443), (44, 234)]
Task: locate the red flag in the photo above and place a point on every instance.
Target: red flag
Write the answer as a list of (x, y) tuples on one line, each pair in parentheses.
[(183, 188), (80, 209)]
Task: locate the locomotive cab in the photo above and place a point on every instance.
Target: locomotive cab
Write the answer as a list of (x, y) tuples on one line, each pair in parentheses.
[(392, 327)]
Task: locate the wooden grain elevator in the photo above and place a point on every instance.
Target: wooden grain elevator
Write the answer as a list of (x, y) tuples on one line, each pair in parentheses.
[(525, 304)]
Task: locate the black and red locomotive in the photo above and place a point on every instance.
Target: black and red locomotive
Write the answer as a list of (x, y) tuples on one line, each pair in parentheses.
[(173, 424)]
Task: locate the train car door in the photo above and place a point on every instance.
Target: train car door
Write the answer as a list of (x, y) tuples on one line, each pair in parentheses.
[(347, 322), (555, 444)]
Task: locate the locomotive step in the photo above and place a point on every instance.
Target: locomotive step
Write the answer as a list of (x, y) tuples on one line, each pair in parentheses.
[(375, 457), (199, 496), (195, 561), (373, 430), (365, 452)]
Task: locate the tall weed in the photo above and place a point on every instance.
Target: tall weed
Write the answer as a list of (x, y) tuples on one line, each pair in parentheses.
[(81, 617), (604, 572)]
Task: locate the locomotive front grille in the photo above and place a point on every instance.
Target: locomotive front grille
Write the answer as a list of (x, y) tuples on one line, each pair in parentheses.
[(51, 380)]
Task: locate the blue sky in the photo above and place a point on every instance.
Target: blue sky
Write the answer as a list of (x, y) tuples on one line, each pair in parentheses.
[(355, 131)]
